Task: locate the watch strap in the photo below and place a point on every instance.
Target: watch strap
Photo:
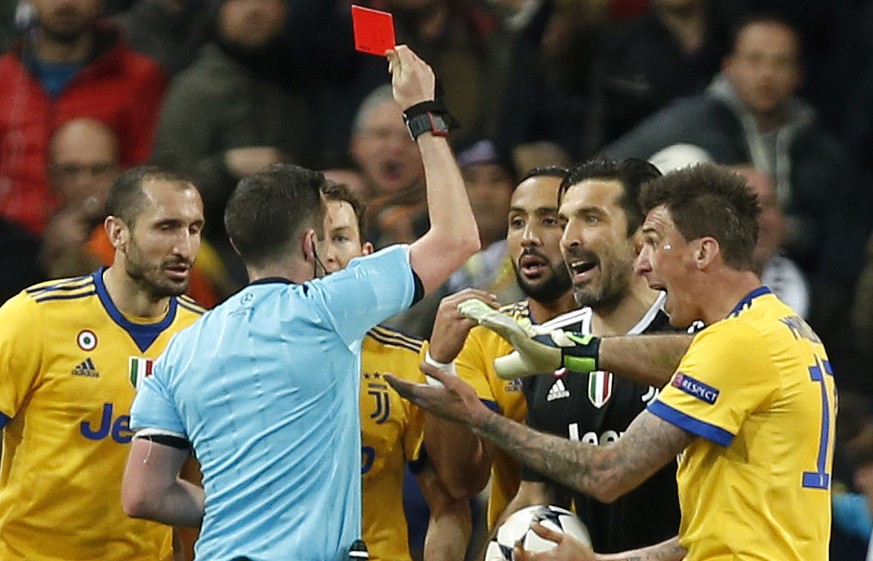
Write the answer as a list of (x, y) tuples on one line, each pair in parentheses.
[(433, 123)]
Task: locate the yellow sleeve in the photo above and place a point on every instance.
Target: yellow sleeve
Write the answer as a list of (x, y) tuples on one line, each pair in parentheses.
[(21, 351), (472, 364), (725, 376)]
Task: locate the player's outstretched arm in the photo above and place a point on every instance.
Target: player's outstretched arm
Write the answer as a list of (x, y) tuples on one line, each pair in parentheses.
[(603, 472), (453, 235), (648, 359)]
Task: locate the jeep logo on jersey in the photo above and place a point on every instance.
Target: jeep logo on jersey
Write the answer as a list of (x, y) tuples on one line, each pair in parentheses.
[(118, 428), (139, 368), (599, 388), (695, 388)]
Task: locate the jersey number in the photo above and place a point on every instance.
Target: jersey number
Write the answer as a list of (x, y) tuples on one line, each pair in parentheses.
[(821, 479)]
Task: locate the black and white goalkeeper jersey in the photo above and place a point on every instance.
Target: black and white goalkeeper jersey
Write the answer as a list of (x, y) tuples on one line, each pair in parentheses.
[(597, 408)]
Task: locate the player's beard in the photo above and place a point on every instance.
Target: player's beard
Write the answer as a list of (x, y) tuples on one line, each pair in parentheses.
[(555, 285), (610, 288), (150, 278)]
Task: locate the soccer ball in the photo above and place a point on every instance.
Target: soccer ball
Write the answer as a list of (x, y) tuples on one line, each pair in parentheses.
[(517, 528)]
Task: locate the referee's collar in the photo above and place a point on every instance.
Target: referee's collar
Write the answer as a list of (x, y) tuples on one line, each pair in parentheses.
[(270, 280)]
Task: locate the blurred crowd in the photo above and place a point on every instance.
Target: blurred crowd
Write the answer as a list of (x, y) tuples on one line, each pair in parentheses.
[(216, 89)]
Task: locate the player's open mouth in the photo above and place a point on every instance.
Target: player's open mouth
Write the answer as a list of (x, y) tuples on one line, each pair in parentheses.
[(582, 270), (179, 272), (532, 265)]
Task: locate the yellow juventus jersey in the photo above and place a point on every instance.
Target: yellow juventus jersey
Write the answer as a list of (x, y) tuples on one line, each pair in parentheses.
[(475, 365), (758, 391), (391, 435), (69, 362)]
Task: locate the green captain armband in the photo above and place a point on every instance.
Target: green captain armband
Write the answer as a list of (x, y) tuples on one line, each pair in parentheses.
[(582, 355)]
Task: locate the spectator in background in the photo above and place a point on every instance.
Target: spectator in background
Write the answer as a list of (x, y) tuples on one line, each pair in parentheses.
[(70, 65), (672, 50), (490, 181), (170, 31), (540, 154), (83, 163), (392, 170), (234, 111), (750, 114), (777, 271), (539, 81)]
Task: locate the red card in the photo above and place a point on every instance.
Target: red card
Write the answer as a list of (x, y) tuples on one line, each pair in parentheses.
[(374, 30)]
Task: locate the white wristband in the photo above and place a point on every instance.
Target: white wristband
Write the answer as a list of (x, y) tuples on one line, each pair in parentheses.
[(447, 367)]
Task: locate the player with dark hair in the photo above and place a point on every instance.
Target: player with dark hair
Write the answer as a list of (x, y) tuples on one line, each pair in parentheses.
[(265, 388), (750, 408), (72, 353), (462, 461), (601, 216)]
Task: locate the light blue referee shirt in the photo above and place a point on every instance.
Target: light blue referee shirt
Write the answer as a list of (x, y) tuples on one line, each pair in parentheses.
[(266, 388)]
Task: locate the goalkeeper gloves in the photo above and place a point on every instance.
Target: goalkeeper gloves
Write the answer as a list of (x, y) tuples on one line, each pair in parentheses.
[(536, 351)]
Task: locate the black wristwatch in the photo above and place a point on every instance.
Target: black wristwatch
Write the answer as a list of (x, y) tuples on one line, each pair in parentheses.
[(434, 123)]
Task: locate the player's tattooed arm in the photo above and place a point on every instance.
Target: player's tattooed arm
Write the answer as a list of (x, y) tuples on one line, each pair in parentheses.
[(604, 472), (648, 359)]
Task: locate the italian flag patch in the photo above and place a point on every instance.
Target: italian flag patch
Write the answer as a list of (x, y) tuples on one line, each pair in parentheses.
[(599, 388), (140, 368)]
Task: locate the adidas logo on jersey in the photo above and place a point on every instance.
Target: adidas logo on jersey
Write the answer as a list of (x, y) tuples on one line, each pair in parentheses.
[(86, 368), (558, 391)]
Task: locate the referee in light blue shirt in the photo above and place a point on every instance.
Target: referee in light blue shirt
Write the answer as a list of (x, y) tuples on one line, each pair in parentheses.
[(265, 386)]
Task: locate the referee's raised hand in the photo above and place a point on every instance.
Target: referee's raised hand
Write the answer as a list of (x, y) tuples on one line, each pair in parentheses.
[(412, 79)]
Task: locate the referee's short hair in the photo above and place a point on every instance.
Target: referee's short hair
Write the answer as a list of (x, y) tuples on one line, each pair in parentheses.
[(269, 209)]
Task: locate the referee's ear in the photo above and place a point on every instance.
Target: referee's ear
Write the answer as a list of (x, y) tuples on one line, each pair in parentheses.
[(310, 245)]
